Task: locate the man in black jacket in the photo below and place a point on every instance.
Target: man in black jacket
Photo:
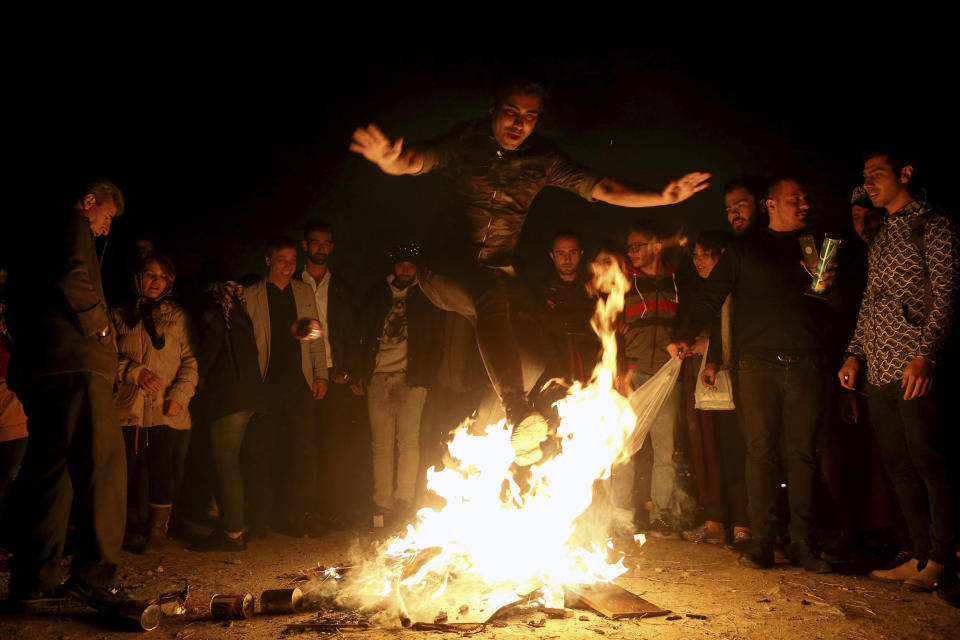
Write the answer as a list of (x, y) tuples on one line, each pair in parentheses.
[(339, 415), (780, 337), (63, 370), (570, 308), (494, 168), (402, 347)]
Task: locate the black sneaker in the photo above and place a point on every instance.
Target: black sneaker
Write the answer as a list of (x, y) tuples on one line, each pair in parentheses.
[(99, 598), (218, 540), (662, 529), (760, 556), (801, 555)]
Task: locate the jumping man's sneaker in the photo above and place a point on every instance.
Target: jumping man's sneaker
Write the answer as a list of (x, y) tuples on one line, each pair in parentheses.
[(526, 439)]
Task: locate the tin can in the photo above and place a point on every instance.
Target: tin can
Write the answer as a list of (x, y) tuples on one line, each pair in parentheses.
[(281, 600), (145, 617), (235, 606), (828, 251)]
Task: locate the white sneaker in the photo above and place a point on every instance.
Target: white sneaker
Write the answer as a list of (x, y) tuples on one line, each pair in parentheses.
[(526, 439), (927, 579), (901, 573)]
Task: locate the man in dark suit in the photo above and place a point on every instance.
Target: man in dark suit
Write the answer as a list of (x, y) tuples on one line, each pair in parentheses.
[(63, 370)]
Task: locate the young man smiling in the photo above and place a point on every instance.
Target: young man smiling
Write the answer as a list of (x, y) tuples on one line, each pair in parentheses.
[(908, 311), (495, 166)]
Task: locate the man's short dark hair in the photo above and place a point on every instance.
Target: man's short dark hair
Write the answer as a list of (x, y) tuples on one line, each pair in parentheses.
[(103, 190), (754, 185), (715, 240), (896, 158), (567, 233), (645, 226), (276, 244), (511, 85), (317, 226), (776, 181)]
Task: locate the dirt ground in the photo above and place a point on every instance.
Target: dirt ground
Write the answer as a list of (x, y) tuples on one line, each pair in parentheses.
[(691, 580)]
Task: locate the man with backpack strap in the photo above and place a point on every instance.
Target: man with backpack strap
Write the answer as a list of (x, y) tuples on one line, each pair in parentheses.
[(908, 311)]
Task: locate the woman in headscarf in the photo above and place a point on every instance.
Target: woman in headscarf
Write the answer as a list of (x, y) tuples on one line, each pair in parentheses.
[(158, 376)]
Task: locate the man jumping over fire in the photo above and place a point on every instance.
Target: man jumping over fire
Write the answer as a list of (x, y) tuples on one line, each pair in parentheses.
[(495, 166)]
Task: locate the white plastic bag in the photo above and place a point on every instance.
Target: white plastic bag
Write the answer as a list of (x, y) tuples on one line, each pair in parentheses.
[(710, 400), (646, 401)]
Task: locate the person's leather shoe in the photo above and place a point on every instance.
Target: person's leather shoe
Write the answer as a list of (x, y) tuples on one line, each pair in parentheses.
[(99, 598), (801, 555), (927, 579), (759, 557), (900, 573)]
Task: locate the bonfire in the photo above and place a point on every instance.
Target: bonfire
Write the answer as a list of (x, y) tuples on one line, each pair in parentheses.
[(497, 540)]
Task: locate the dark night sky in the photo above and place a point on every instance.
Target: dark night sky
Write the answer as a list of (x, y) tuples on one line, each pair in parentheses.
[(217, 150)]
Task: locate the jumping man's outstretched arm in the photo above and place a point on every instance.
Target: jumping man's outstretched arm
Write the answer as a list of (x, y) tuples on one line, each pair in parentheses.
[(612, 192), (372, 144)]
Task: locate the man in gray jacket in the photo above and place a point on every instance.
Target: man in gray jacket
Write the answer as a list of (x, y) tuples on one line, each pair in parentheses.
[(294, 374), (63, 369)]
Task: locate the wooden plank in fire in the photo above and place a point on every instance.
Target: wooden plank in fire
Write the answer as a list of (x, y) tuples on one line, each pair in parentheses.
[(609, 600)]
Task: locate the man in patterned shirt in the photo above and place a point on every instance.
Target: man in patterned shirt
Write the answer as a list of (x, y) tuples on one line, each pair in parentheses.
[(907, 313), (495, 166)]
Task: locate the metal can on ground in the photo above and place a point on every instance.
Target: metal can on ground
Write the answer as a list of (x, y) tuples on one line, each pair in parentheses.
[(281, 600), (145, 617), (234, 606)]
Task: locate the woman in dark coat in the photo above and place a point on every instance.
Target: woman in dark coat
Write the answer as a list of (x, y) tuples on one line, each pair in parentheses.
[(231, 393)]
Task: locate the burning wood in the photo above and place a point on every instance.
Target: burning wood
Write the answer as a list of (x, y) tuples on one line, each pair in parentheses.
[(611, 601)]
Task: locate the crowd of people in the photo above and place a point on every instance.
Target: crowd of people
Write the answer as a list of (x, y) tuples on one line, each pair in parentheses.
[(212, 414)]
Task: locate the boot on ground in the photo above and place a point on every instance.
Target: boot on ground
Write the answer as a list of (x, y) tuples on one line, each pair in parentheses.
[(159, 519)]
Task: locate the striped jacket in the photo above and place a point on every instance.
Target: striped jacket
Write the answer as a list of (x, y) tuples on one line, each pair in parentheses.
[(650, 311)]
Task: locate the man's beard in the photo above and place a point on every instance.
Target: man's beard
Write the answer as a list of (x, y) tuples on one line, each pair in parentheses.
[(318, 258)]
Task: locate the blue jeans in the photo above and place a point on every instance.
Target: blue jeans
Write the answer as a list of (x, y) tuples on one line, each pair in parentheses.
[(669, 500), (780, 397), (226, 439)]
